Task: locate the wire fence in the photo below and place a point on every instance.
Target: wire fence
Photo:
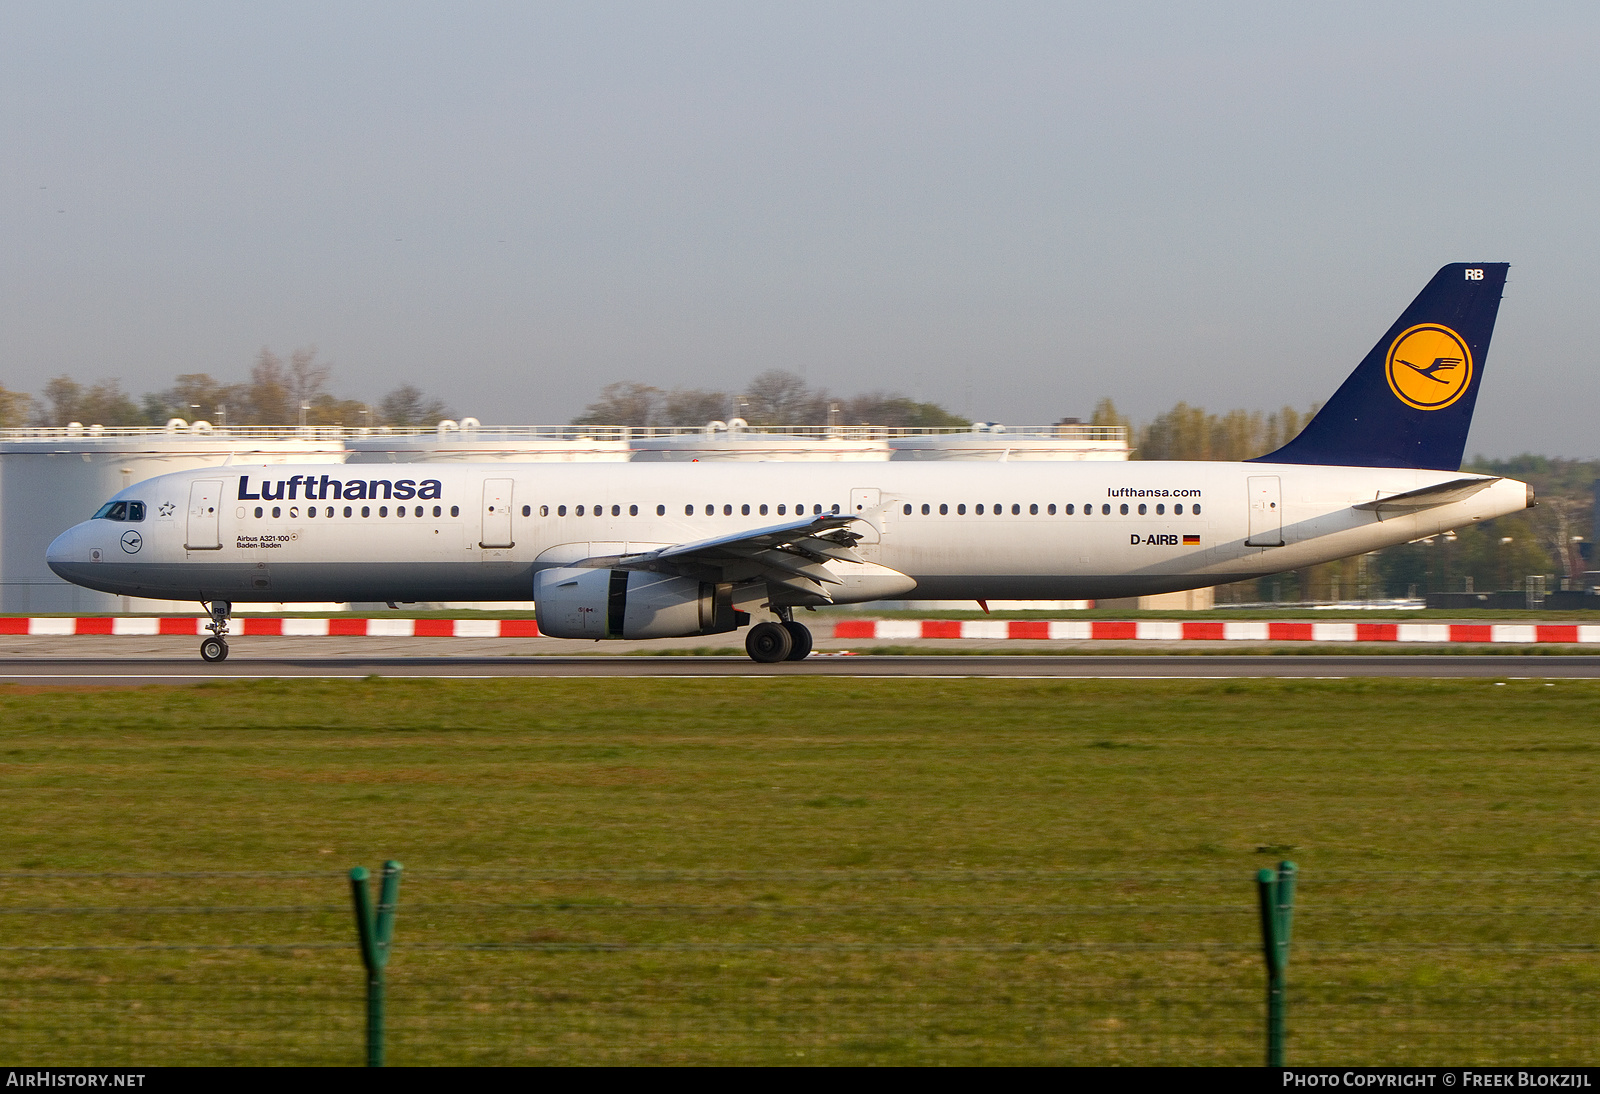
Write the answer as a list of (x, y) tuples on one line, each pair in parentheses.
[(827, 966)]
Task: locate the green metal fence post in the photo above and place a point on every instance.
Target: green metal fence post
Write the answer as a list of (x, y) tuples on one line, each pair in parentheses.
[(1276, 895), (375, 933)]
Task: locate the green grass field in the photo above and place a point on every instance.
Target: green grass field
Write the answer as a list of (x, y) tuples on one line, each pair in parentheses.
[(801, 870)]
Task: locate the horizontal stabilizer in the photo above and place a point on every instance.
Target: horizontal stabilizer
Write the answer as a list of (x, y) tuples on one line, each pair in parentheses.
[(1427, 497)]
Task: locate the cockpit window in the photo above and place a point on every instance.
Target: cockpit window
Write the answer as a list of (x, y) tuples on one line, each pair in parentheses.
[(128, 511)]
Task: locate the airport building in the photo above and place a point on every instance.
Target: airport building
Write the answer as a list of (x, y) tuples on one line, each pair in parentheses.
[(51, 479)]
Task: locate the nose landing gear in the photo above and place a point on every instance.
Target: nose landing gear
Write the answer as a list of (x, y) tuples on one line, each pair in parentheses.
[(215, 648)]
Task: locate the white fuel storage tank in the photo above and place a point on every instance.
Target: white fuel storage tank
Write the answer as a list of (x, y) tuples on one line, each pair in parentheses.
[(50, 479)]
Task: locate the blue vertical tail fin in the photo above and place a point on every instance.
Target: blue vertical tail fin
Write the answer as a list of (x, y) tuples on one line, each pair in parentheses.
[(1409, 403)]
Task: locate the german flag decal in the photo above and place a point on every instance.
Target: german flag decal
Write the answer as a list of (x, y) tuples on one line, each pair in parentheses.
[(1191, 541)]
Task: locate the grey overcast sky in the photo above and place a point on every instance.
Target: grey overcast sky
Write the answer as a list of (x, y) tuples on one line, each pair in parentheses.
[(1013, 209)]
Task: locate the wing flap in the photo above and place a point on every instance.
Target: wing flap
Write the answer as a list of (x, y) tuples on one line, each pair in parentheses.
[(790, 556)]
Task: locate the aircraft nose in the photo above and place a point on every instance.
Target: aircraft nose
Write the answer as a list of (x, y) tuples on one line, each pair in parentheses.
[(67, 551)]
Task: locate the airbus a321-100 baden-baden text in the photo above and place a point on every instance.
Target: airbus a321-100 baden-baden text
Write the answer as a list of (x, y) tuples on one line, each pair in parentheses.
[(661, 550)]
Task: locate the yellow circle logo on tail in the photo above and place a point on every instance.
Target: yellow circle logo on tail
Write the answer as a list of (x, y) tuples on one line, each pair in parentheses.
[(1429, 367)]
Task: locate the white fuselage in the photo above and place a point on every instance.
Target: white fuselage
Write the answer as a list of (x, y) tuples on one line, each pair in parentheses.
[(478, 532)]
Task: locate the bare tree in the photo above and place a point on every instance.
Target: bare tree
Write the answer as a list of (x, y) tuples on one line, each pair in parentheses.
[(306, 377), (102, 403), (197, 395), (691, 407), (779, 397), (62, 398), (269, 391), (623, 403), (407, 405)]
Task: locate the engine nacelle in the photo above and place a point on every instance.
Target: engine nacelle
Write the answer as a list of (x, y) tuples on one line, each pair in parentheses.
[(575, 602)]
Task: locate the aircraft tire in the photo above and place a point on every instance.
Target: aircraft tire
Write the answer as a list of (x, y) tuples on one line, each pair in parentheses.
[(768, 643), (213, 650), (800, 634)]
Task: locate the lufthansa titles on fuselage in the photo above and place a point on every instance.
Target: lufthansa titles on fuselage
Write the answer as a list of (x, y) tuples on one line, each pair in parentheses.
[(328, 488)]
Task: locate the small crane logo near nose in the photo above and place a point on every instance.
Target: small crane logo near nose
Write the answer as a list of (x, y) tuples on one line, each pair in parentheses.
[(131, 541)]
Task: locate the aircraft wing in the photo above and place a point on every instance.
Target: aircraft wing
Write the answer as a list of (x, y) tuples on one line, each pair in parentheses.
[(791, 556), (1427, 497)]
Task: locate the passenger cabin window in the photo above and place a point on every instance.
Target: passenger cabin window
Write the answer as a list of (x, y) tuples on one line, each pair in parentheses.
[(763, 510), (258, 512), (633, 510), (1141, 509), (1069, 509), (1124, 508), (782, 509)]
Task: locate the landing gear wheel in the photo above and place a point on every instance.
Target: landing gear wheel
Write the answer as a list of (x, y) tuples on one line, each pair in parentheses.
[(768, 643), (800, 636), (213, 649)]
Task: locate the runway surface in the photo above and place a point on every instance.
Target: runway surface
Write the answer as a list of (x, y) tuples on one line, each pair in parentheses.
[(103, 672)]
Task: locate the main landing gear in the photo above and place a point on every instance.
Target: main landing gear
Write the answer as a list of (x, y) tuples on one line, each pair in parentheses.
[(785, 640), (215, 648)]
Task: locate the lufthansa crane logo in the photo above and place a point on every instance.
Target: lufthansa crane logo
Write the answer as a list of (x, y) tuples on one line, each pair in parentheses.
[(132, 541), (1429, 367)]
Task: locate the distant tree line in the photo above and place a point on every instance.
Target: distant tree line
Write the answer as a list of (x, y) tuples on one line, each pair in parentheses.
[(273, 395), (775, 397)]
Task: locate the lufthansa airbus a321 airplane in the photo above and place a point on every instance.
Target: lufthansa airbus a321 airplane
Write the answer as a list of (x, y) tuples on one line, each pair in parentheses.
[(659, 550)]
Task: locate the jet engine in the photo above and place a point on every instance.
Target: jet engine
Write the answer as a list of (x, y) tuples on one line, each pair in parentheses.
[(575, 602)]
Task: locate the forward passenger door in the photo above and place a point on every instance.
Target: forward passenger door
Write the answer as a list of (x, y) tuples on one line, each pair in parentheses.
[(496, 513), (205, 501)]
